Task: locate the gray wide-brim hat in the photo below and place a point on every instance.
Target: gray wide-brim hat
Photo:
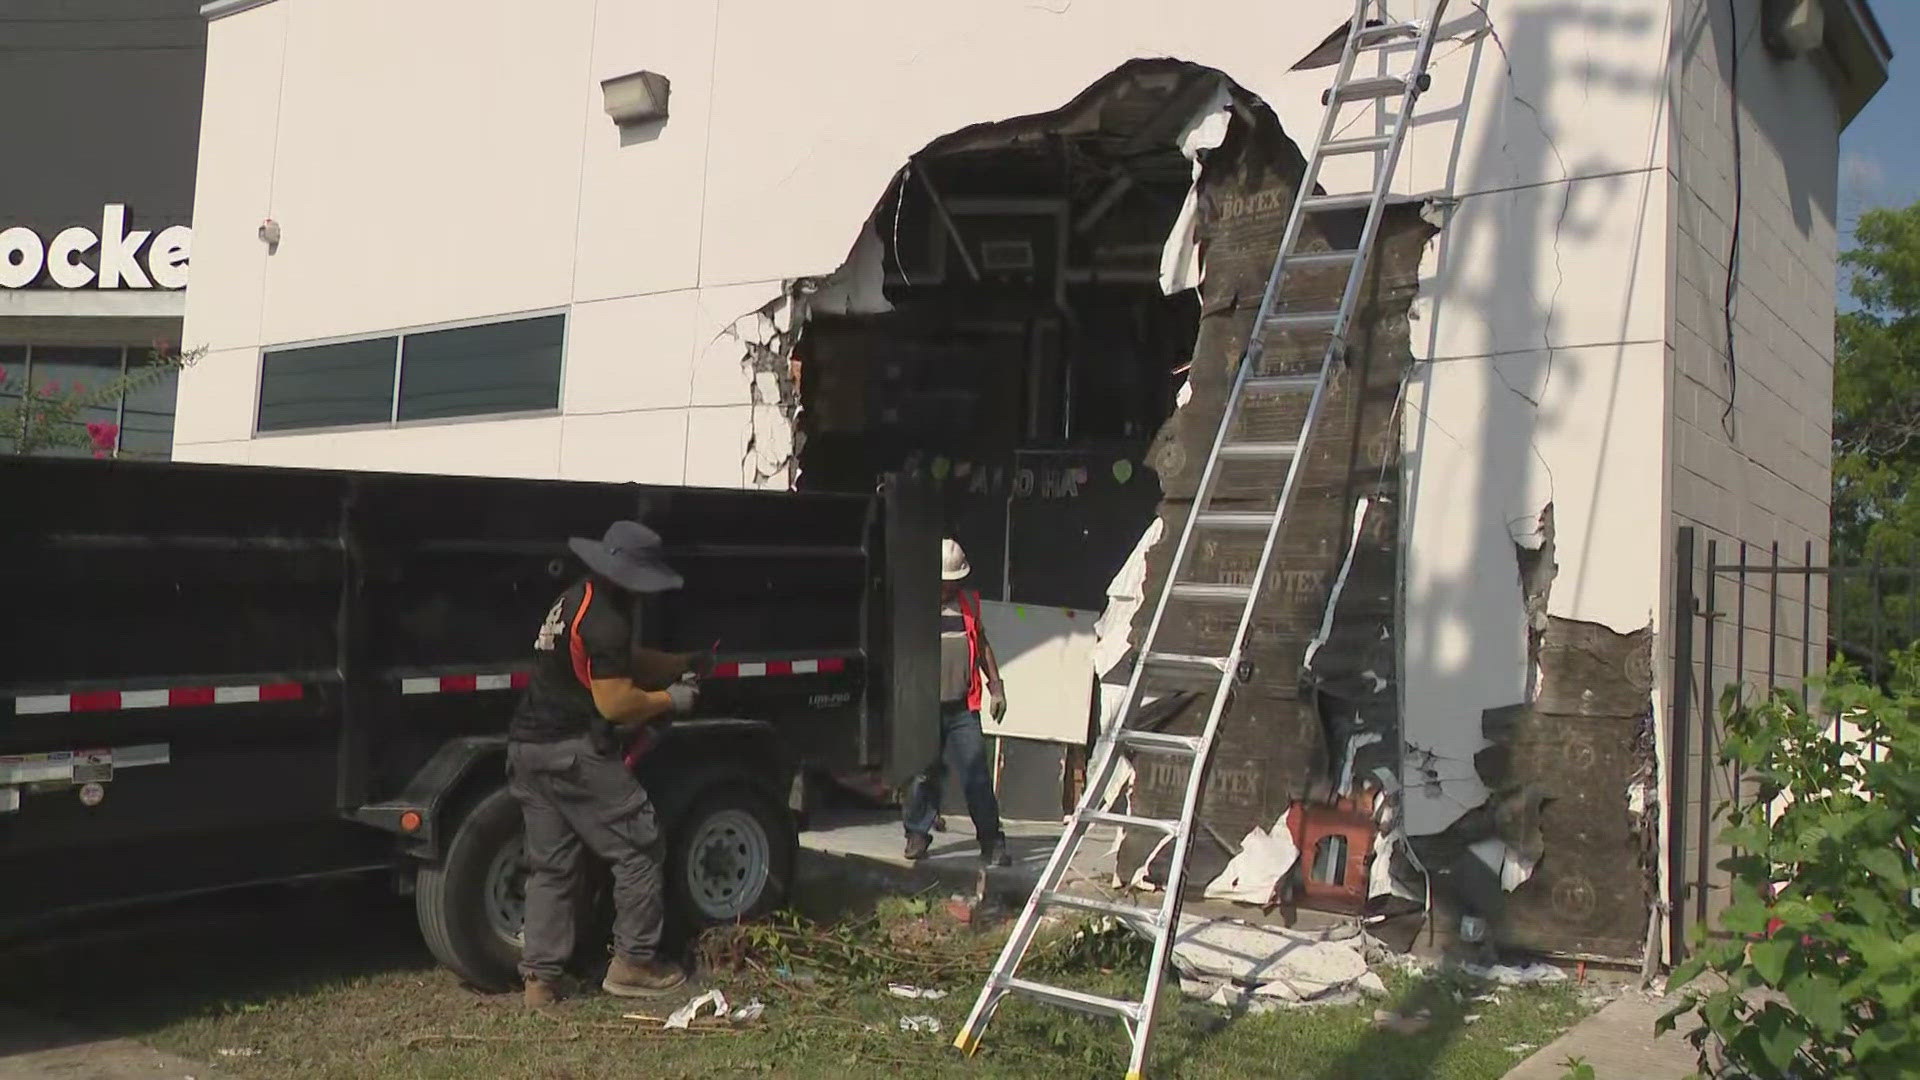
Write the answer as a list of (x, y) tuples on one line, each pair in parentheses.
[(628, 556)]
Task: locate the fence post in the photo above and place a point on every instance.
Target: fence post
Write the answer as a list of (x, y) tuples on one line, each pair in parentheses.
[(1677, 739)]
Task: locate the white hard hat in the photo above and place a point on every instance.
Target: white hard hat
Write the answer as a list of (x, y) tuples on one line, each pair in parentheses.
[(953, 561)]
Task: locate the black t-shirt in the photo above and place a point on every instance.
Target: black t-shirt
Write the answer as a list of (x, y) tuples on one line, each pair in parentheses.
[(587, 634)]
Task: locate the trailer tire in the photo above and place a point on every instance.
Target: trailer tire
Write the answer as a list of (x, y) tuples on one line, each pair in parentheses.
[(732, 857), (452, 897)]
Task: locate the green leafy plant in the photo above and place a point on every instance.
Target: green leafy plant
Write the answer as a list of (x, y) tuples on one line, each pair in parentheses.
[(1815, 967), (47, 416), (1578, 1068)]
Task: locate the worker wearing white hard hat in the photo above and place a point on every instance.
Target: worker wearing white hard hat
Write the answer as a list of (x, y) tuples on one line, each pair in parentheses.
[(967, 667)]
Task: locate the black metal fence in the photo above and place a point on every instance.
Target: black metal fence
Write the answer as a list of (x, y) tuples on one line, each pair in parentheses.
[(1763, 618)]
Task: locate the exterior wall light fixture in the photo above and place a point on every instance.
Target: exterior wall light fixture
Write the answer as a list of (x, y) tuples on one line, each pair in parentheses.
[(639, 98)]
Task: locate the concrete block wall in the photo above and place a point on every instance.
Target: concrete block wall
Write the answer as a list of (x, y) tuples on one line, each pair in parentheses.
[(1749, 448)]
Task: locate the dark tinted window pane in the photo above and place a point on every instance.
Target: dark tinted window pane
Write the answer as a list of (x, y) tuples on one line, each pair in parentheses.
[(90, 376), (146, 428), (13, 373), (323, 385), (501, 367)]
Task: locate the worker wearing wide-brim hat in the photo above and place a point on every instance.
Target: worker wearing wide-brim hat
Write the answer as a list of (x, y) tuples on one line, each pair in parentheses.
[(565, 767), (967, 667)]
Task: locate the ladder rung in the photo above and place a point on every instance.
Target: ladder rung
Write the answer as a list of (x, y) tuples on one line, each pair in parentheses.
[(1314, 204), (1302, 320), (1188, 660), (1275, 383), (1208, 591), (1365, 144), (1233, 519), (1160, 740), (1130, 912), (1314, 260), (1365, 89), (1129, 821), (1074, 999), (1371, 36), (1259, 450)]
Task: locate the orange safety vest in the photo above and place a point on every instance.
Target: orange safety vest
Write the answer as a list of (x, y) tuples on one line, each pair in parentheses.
[(970, 617)]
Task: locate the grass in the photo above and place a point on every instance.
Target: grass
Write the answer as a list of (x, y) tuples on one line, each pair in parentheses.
[(325, 985)]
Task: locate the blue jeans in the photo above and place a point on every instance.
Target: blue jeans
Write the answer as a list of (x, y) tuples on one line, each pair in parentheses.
[(964, 749)]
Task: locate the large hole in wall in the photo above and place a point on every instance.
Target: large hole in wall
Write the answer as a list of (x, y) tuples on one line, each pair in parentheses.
[(1043, 315), (1027, 355)]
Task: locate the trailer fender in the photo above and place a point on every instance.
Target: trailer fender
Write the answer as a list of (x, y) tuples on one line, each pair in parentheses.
[(677, 761), (422, 815)]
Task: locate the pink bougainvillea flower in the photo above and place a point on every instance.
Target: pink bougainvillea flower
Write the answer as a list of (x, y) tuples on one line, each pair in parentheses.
[(104, 436), (49, 389)]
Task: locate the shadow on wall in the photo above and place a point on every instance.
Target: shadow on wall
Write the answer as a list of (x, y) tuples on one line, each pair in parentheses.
[(1514, 816)]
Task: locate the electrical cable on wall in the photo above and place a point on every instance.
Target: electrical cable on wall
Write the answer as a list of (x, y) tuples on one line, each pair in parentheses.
[(1739, 199)]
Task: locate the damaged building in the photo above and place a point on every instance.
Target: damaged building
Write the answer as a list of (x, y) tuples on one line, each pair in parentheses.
[(1016, 249)]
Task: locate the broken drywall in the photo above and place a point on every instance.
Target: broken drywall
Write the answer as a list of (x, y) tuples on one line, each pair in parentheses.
[(1555, 860), (1275, 744), (1180, 264)]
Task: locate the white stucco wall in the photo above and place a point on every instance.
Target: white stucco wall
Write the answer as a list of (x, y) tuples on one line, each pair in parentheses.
[(450, 160)]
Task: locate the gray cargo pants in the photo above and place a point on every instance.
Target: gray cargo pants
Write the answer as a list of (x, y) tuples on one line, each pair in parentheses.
[(572, 794)]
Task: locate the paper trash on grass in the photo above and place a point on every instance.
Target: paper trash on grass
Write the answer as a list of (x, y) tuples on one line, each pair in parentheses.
[(915, 993), (920, 1023), (1253, 875), (685, 1014), (750, 1011), (238, 1051)]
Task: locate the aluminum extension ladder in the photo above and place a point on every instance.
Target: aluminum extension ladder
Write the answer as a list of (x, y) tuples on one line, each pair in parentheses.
[(1366, 33)]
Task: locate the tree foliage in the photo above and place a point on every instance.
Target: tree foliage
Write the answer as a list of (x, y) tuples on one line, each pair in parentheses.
[(1876, 425), (1815, 967)]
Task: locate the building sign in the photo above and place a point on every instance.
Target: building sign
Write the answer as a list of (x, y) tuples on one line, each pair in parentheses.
[(114, 257)]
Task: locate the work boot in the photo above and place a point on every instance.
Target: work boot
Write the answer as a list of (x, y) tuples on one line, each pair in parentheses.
[(641, 978), (540, 993), (994, 852), (917, 845)]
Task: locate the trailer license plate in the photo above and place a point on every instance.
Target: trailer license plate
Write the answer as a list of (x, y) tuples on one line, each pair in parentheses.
[(92, 766)]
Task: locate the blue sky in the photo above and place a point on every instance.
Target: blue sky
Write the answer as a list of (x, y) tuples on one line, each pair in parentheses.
[(1879, 153)]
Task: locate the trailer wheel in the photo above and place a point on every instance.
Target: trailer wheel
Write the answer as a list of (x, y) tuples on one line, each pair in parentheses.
[(732, 856), (470, 903)]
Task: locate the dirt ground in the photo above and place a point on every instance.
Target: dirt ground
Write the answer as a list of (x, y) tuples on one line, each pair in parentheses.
[(333, 982)]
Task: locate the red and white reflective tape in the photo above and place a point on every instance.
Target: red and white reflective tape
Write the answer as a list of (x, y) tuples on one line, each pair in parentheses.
[(825, 665), (172, 697), (464, 684)]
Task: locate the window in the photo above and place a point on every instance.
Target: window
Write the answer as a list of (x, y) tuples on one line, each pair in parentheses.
[(111, 418), (503, 367), (327, 385)]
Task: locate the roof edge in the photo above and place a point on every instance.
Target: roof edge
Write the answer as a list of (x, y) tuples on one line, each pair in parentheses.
[(219, 9), (1857, 48)]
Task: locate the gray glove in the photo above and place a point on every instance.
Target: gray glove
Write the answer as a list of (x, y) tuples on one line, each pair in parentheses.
[(682, 694)]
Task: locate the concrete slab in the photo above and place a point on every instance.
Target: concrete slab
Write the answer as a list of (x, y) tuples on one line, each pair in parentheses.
[(867, 847), (35, 1048), (1617, 1041)]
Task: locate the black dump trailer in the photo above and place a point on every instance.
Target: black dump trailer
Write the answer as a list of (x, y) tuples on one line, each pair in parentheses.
[(220, 676)]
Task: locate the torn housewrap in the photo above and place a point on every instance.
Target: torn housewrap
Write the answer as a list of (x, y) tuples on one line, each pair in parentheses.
[(1180, 267), (1254, 876)]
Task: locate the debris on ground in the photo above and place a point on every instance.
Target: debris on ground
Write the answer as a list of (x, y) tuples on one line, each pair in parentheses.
[(685, 1014), (914, 993), (1231, 962), (1399, 1024), (238, 1051), (1517, 975), (750, 1011), (1520, 1048), (929, 1024)]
